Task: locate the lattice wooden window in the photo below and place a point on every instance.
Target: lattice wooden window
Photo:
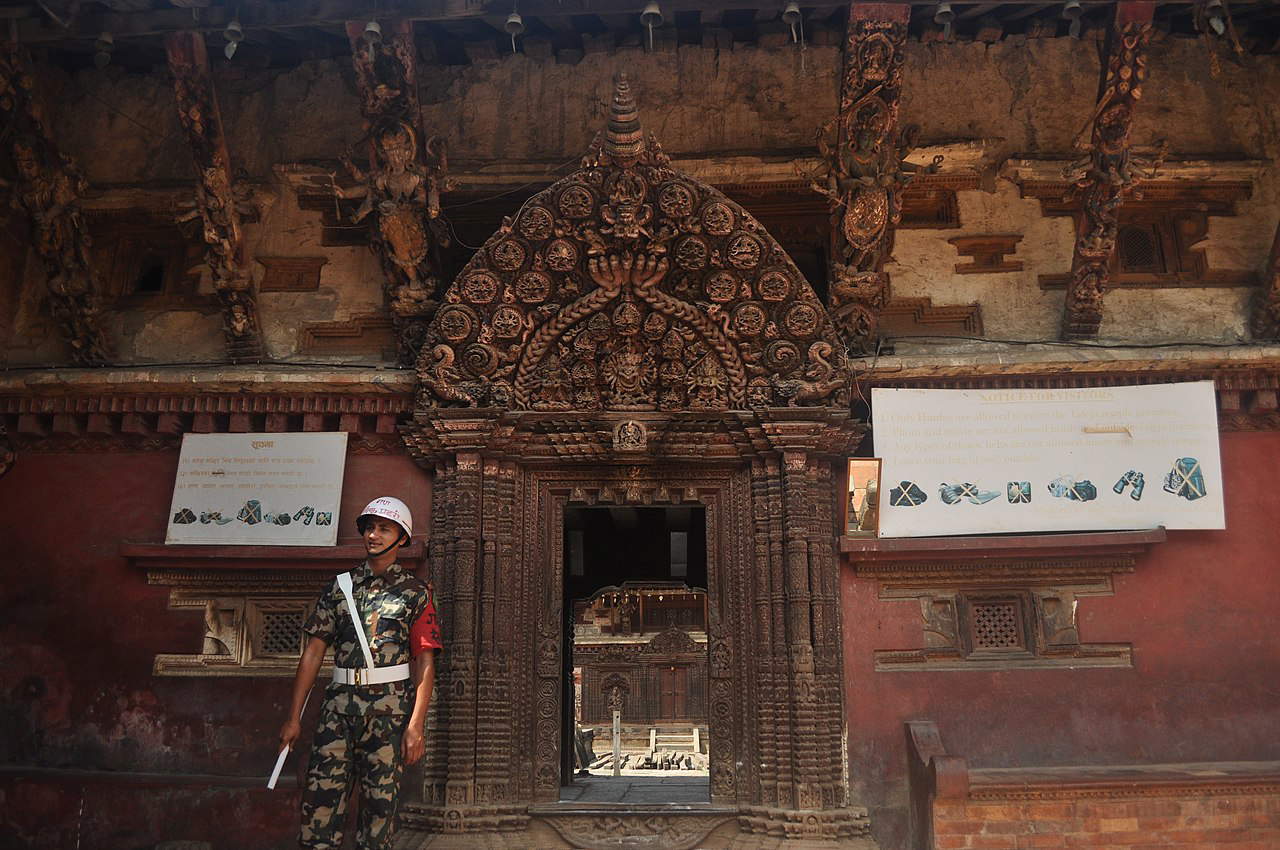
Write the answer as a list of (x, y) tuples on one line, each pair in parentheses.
[(243, 636), (997, 625), (279, 633), (1138, 247)]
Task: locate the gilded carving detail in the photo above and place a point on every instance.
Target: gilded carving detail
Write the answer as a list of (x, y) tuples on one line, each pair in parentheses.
[(627, 286)]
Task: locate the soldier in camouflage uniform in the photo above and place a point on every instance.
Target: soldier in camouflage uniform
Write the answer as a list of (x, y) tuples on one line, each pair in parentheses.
[(367, 732)]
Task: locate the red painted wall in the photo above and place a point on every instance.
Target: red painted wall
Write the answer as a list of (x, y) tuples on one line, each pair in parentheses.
[(1199, 612), (79, 628)]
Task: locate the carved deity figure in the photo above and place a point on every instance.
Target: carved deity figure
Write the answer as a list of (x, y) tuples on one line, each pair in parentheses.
[(403, 191)]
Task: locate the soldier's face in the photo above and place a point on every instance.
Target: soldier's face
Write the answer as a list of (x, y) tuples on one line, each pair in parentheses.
[(379, 534)]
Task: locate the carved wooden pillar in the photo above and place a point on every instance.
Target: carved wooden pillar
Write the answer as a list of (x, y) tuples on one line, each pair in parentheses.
[(48, 190), (401, 188), (806, 777), (864, 151), (462, 558), (1266, 309), (216, 199), (1111, 172)]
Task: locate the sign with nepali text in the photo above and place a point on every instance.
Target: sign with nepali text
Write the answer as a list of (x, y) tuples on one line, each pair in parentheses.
[(258, 489), (1008, 461)]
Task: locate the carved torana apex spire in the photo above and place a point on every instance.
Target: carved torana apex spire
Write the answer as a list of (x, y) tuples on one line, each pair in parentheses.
[(625, 137)]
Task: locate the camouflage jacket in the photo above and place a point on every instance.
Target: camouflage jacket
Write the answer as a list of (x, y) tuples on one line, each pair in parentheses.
[(389, 605)]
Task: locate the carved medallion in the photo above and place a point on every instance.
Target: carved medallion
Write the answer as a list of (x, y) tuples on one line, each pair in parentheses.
[(717, 219), (744, 251), (748, 319), (456, 322), (721, 286), (774, 286), (626, 319), (782, 356), (630, 436), (508, 255), (866, 217), (655, 326), (676, 200), (507, 321), (802, 319), (480, 359), (576, 201), (479, 287), (691, 253), (562, 255), (535, 223), (533, 287)]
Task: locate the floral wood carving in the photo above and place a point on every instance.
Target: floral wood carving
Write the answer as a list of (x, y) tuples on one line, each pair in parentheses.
[(630, 286), (218, 199), (402, 185), (48, 189), (867, 169), (652, 830), (1110, 172), (1266, 313)]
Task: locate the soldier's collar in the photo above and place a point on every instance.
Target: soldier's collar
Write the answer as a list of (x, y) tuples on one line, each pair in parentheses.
[(364, 572)]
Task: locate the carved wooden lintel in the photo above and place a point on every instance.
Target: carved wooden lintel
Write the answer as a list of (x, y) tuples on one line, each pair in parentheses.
[(1111, 171), (217, 201), (1266, 309), (369, 333), (401, 183), (988, 253), (904, 317), (48, 189)]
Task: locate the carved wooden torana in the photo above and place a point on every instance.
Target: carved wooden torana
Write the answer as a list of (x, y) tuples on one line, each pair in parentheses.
[(866, 167), (216, 198), (401, 189), (47, 189), (1110, 172), (1266, 309), (631, 297)]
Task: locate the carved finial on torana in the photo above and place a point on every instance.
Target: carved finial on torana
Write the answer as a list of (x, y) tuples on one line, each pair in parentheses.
[(624, 140)]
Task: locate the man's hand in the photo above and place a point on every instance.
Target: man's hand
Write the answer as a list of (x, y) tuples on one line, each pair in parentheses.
[(413, 745), (289, 732)]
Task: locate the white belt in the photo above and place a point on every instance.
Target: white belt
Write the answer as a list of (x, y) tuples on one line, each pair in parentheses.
[(370, 675)]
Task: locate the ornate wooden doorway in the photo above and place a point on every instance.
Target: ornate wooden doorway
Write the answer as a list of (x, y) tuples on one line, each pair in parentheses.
[(633, 338)]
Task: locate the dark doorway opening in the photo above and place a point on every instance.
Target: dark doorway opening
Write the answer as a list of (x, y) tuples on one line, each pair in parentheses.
[(635, 629)]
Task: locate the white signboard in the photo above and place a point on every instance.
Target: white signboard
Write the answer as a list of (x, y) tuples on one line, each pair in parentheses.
[(259, 489), (1000, 461)]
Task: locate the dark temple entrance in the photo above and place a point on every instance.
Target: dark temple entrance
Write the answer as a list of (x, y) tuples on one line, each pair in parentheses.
[(635, 606)]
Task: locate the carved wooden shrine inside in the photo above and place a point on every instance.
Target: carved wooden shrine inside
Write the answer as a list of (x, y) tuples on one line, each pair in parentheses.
[(634, 337)]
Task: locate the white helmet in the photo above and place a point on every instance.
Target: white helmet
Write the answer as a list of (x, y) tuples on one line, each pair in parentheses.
[(388, 507)]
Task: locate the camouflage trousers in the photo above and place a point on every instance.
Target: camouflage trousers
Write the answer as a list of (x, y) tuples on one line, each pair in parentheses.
[(353, 750)]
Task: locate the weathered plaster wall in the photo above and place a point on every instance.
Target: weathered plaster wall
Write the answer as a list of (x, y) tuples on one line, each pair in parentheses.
[(1198, 612), (79, 632), (1018, 96)]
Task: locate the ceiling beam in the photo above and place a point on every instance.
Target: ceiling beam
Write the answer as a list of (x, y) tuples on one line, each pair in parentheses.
[(35, 27)]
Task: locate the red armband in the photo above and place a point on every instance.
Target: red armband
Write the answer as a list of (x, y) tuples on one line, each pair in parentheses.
[(425, 633)]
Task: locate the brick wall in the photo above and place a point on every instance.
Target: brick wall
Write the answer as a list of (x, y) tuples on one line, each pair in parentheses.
[(1191, 818), (1230, 805)]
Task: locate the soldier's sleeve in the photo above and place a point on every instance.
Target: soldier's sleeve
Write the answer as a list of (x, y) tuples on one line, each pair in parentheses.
[(323, 621), (425, 632)]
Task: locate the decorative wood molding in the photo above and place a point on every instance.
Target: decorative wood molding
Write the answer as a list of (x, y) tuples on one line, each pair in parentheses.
[(919, 317), (291, 274), (988, 253), (370, 333), (605, 828)]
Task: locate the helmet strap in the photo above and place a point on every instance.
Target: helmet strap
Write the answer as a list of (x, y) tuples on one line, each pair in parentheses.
[(400, 539)]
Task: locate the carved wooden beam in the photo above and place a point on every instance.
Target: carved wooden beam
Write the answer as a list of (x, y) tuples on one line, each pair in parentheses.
[(1266, 311), (866, 168), (216, 201), (1111, 171), (48, 189), (401, 189)]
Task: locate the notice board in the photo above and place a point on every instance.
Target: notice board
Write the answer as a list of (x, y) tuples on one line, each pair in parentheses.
[(1026, 460), (258, 489)]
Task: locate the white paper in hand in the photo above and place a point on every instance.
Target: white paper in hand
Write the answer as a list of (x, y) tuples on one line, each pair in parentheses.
[(275, 774)]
